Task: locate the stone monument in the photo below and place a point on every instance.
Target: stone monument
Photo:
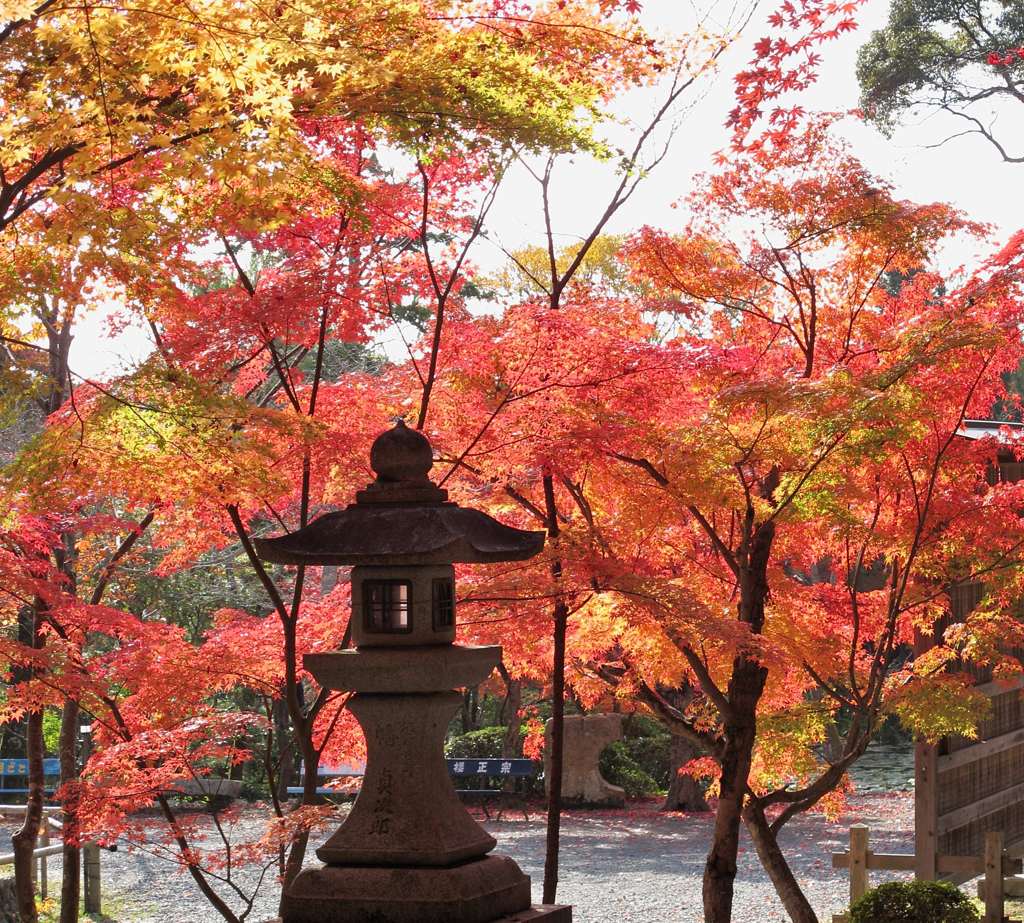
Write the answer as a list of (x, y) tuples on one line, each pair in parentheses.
[(585, 736), (408, 852)]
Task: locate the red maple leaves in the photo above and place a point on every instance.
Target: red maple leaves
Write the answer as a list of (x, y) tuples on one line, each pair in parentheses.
[(782, 65)]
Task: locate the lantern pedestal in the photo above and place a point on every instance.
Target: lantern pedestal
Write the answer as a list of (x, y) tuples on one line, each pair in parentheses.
[(407, 812), (409, 851), (433, 668)]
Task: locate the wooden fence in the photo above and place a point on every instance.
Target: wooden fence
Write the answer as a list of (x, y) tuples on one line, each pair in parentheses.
[(91, 889), (966, 789), (993, 863), (968, 794)]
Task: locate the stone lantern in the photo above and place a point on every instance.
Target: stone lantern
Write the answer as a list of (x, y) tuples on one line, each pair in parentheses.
[(408, 852)]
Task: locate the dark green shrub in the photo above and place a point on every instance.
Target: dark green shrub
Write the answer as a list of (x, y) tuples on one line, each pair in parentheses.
[(620, 768), (914, 902), (639, 763), (476, 744), (649, 744)]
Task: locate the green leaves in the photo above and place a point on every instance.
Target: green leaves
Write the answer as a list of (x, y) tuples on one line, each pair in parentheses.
[(938, 707), (934, 54)]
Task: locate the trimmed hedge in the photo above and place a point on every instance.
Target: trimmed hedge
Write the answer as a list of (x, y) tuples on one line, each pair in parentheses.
[(914, 902), (482, 744), (620, 768), (639, 763)]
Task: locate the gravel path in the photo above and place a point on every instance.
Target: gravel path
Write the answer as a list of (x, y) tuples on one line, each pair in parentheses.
[(630, 866)]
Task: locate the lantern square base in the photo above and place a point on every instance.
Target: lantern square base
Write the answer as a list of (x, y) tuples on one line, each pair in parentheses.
[(541, 913), (480, 891), (538, 913)]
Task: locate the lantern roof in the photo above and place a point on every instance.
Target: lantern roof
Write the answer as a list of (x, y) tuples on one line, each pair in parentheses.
[(402, 518)]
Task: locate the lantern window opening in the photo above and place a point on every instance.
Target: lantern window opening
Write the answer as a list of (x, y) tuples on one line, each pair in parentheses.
[(387, 606), (443, 603)]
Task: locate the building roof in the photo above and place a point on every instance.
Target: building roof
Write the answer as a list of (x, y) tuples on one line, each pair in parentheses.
[(1000, 430)]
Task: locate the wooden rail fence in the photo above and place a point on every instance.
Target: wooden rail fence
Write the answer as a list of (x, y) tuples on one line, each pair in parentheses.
[(91, 890), (994, 865), (967, 788)]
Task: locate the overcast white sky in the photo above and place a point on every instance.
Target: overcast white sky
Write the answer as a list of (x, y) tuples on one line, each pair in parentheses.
[(964, 172)]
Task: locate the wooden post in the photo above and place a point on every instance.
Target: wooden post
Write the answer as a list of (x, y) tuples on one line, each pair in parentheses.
[(926, 818), (44, 841), (926, 783), (91, 874), (993, 878), (858, 862)]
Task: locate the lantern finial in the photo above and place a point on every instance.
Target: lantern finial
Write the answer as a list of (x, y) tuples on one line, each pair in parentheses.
[(401, 454)]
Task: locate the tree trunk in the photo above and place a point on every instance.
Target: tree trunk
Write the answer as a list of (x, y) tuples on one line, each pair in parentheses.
[(555, 759), (470, 710), (512, 742), (739, 726), (775, 864), (834, 742), (740, 731), (554, 768), (685, 793), (288, 758), (297, 847), (24, 841), (197, 876), (71, 856)]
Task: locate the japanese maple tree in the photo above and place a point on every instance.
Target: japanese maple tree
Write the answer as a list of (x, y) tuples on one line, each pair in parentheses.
[(259, 138), (742, 436), (765, 492)]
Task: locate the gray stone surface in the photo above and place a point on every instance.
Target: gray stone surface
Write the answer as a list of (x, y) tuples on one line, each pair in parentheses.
[(538, 913), (208, 785), (474, 892), (397, 670), (407, 812), (401, 454), (637, 865), (402, 518), (585, 737), (407, 532), (8, 902), (548, 913), (408, 852)]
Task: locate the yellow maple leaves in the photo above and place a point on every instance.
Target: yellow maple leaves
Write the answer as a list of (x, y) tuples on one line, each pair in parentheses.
[(90, 88)]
